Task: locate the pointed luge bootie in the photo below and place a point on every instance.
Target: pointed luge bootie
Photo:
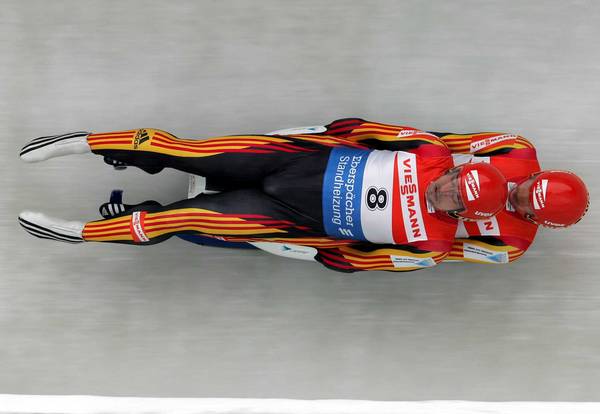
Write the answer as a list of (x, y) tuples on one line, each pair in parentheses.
[(44, 227), (43, 148)]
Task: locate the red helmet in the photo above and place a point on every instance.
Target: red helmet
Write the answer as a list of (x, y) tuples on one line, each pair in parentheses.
[(558, 199), (483, 191)]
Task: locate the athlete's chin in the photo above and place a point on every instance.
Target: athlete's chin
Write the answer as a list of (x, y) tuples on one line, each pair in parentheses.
[(435, 204), (432, 195)]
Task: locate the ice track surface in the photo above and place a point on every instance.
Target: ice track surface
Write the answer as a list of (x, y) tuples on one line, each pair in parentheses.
[(177, 320)]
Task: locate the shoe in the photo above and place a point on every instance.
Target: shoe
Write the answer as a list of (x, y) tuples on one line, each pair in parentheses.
[(44, 227), (43, 148)]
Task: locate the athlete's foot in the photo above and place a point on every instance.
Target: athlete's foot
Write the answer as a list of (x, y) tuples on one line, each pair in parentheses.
[(44, 227), (43, 148)]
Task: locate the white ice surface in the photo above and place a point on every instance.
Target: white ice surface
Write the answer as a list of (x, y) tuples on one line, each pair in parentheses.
[(39, 404)]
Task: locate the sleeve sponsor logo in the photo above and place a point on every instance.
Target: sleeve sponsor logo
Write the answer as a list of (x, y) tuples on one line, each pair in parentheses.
[(137, 226), (407, 261), (486, 142), (475, 252), (539, 194), (407, 133)]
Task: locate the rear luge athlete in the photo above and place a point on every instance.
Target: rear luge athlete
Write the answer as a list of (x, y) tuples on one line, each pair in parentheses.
[(365, 203)]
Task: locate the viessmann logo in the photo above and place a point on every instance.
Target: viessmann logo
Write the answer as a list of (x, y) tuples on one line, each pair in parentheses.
[(472, 185), (539, 194), (412, 216), (137, 227), (477, 145)]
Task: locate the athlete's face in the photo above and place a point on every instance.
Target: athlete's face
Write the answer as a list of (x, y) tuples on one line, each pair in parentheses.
[(519, 198), (444, 193)]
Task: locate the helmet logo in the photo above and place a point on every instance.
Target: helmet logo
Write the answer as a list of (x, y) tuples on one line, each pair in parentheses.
[(472, 185), (482, 213), (539, 194)]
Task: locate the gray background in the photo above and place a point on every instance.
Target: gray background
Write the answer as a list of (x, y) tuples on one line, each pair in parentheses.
[(180, 320)]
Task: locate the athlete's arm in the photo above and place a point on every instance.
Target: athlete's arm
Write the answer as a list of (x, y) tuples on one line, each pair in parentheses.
[(402, 138), (370, 134), (368, 256), (483, 249)]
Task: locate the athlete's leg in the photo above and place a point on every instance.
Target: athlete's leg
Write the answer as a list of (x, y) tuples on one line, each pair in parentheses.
[(235, 160), (245, 213)]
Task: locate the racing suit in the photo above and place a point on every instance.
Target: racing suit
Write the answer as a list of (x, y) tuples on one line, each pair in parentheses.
[(272, 190)]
